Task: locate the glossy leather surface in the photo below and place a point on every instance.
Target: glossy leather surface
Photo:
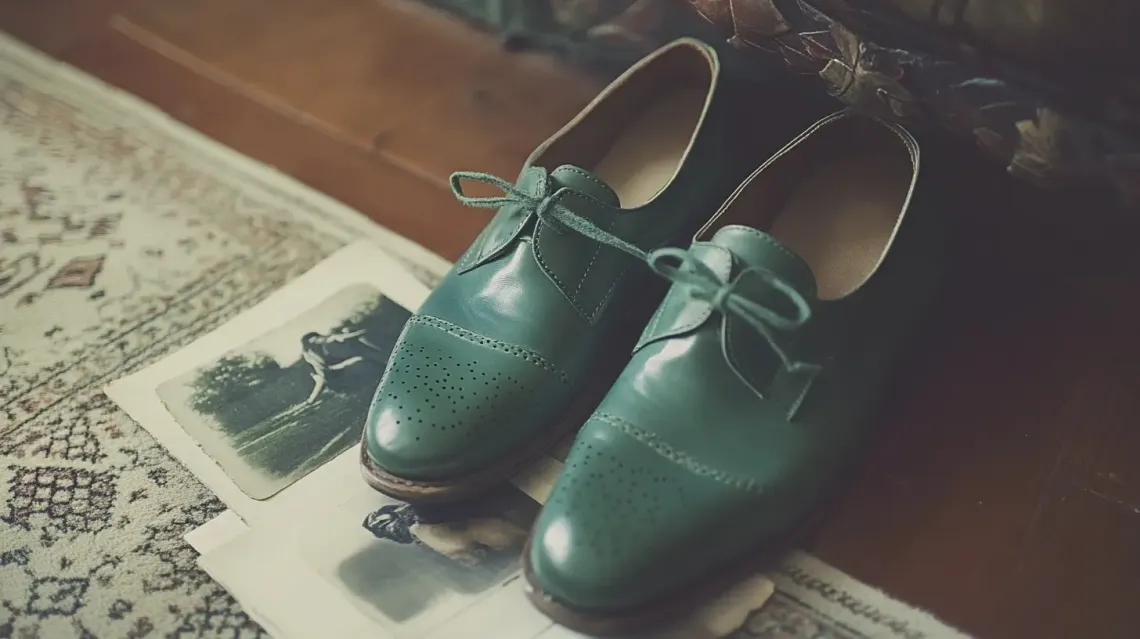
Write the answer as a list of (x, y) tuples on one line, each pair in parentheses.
[(707, 448), (511, 336)]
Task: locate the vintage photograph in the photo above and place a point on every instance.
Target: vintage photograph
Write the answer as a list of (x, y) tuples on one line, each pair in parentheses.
[(291, 399), (413, 568)]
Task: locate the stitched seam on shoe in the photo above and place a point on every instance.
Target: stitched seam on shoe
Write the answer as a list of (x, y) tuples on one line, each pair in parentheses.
[(582, 282), (655, 321), (649, 334), (479, 340), (536, 247), (613, 285), (730, 357), (598, 250), (609, 294), (582, 174), (773, 244), (681, 459), (708, 310)]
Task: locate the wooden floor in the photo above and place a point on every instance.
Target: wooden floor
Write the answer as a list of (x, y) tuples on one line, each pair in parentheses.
[(1006, 497)]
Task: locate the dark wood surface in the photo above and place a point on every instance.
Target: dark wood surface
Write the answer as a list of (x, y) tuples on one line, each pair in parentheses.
[(1005, 496)]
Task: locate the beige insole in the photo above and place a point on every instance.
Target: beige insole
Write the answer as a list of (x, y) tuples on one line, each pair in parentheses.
[(644, 157), (841, 218)]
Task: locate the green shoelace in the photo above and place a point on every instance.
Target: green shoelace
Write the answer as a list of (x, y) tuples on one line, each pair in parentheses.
[(703, 284), (695, 276), (544, 206)]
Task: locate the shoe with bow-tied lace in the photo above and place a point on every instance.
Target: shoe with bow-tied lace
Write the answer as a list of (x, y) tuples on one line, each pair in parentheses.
[(516, 345), (751, 389)]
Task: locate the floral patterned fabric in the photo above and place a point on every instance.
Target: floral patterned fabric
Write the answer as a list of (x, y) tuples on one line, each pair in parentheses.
[(872, 55), (1043, 129), (606, 36)]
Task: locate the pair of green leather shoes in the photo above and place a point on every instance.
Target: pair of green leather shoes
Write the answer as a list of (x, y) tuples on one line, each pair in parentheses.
[(758, 353)]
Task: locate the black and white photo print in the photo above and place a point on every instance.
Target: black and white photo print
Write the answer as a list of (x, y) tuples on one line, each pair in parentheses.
[(413, 568), (292, 398)]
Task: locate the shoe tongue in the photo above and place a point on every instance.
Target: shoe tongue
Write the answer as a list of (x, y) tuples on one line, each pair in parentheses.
[(582, 181), (760, 250)]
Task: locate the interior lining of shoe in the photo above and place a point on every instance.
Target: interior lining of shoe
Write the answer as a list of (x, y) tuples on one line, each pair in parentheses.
[(636, 135), (834, 199), (645, 157)]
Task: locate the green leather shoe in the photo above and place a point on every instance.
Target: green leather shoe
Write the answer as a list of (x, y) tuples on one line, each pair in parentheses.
[(517, 344), (750, 390)]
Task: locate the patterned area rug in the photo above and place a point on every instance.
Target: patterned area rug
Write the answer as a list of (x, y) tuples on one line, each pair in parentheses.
[(124, 235)]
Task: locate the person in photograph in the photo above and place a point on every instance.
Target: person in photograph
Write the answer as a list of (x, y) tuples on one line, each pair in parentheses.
[(330, 356), (466, 541)]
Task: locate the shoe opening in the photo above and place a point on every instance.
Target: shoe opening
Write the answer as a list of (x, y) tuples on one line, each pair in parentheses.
[(835, 197), (635, 135)]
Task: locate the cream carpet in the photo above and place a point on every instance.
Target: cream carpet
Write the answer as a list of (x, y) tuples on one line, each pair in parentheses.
[(124, 235)]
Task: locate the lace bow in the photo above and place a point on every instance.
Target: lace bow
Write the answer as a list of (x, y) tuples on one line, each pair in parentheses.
[(702, 283), (544, 204)]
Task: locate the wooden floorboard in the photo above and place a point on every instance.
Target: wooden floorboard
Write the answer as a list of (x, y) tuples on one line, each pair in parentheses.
[(1005, 493), (55, 25), (421, 210), (1024, 380), (366, 69), (1065, 589)]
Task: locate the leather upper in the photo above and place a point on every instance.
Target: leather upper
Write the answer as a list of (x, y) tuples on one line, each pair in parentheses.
[(709, 444), (510, 336)]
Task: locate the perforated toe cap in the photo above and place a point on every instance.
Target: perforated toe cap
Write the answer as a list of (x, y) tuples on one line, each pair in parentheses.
[(626, 525), (453, 401)]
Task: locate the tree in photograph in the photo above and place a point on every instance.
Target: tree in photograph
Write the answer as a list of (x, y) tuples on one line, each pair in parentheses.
[(229, 380)]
